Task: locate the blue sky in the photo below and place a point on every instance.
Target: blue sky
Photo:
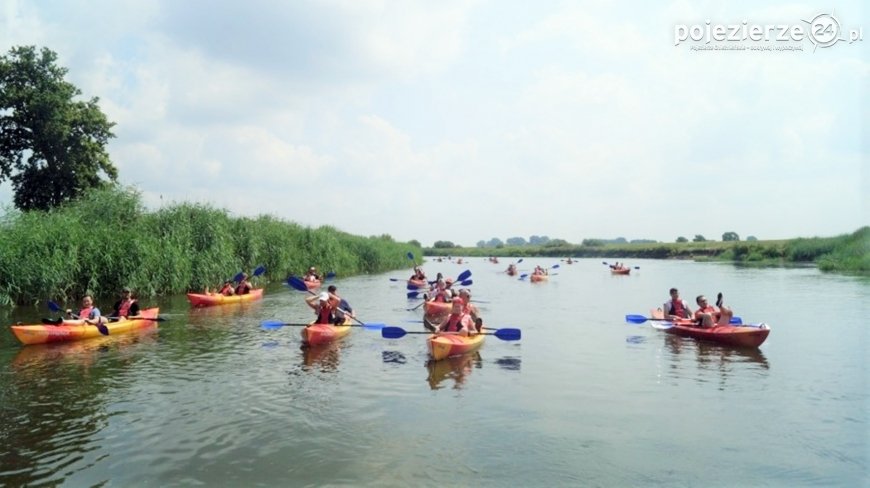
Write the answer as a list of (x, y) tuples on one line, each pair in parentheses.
[(466, 120)]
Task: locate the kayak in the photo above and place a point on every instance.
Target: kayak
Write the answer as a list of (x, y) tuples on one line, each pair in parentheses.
[(314, 334), (312, 285), (76, 330), (211, 299), (620, 271), (447, 345), (434, 309), (538, 277), (740, 335), (418, 283)]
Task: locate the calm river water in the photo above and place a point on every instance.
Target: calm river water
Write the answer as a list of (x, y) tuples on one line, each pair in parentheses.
[(584, 399)]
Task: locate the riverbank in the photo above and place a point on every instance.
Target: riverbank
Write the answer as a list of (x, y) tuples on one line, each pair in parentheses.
[(107, 240), (846, 254)]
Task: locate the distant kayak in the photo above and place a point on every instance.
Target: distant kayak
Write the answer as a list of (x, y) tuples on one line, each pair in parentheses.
[(620, 271), (538, 277), (76, 330), (212, 299)]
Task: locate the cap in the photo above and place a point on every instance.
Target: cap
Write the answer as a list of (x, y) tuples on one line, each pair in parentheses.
[(324, 297)]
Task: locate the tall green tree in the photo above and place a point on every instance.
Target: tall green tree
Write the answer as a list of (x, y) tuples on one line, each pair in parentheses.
[(52, 147)]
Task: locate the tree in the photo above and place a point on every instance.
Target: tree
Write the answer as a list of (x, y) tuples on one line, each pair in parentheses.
[(730, 236), (538, 240), (495, 242), (699, 238), (52, 148), (443, 245), (415, 242), (516, 241), (481, 243), (752, 238), (682, 239)]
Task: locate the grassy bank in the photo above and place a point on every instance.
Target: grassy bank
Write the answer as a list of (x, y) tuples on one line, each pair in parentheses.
[(108, 240), (846, 254)]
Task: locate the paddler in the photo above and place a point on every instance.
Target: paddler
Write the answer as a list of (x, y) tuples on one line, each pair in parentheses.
[(456, 322), (676, 307), (708, 315)]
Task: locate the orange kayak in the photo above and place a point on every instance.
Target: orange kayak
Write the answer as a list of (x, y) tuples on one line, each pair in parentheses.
[(446, 345), (620, 271), (732, 335), (315, 334), (312, 285), (76, 330), (539, 277), (437, 308), (211, 299)]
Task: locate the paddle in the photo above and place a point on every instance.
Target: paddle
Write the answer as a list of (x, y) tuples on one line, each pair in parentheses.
[(276, 324), (299, 285), (503, 334), (56, 308), (614, 267), (639, 319)]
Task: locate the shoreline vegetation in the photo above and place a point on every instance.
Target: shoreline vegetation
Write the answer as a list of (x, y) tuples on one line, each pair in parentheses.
[(845, 254), (107, 240)]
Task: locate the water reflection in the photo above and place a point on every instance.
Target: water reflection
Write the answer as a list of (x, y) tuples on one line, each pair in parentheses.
[(509, 363), (57, 403), (456, 368), (724, 360), (324, 356)]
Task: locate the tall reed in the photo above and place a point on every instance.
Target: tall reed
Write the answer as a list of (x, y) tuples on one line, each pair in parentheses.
[(108, 240)]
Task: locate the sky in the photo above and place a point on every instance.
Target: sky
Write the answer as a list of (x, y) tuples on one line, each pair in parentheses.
[(464, 120)]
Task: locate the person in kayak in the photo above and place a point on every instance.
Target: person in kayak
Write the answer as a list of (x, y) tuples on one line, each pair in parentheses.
[(226, 289), (342, 310), (324, 305), (470, 309), (512, 269), (456, 322), (708, 315), (676, 307), (89, 313), (244, 286), (418, 274), (440, 293), (311, 275), (127, 306)]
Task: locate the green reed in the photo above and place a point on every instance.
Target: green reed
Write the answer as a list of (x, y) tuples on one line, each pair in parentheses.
[(108, 240)]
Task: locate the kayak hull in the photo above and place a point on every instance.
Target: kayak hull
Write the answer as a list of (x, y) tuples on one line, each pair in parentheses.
[(620, 271), (316, 334), (538, 278), (312, 285), (447, 345), (435, 309), (213, 299), (76, 330), (749, 336)]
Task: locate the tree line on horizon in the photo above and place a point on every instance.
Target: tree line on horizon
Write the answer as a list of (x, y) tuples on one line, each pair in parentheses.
[(545, 241)]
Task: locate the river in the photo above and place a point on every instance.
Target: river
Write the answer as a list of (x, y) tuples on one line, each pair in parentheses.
[(584, 399)]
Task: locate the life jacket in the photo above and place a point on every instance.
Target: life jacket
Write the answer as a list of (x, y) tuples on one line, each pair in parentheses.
[(85, 313), (124, 309), (244, 288), (226, 289), (454, 324), (676, 308), (324, 314)]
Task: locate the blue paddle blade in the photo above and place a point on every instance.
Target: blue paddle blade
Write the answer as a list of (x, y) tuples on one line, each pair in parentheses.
[(508, 334), (296, 283), (393, 332), (329, 276), (735, 320), (412, 286), (260, 270), (554, 266), (520, 261), (635, 319), (373, 325), (271, 324), (413, 294), (466, 283), (464, 275), (410, 255), (54, 307), (238, 277)]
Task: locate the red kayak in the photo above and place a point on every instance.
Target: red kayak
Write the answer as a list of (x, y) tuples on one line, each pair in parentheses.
[(437, 308), (620, 271), (740, 335), (315, 334)]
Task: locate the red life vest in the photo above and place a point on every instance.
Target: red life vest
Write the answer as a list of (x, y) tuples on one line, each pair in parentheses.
[(85, 313), (454, 324), (677, 308), (324, 314), (226, 289), (124, 309)]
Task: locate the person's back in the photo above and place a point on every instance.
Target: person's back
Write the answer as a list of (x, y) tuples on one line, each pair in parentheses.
[(244, 286)]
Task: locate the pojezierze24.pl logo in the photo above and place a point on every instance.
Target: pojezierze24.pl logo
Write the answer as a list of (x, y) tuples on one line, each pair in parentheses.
[(822, 30)]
